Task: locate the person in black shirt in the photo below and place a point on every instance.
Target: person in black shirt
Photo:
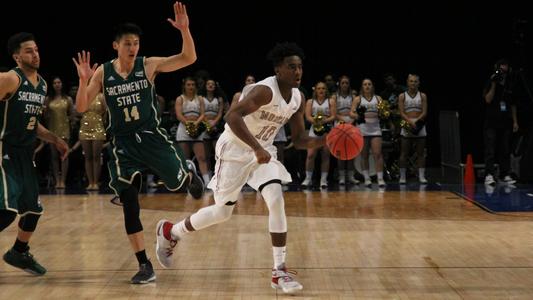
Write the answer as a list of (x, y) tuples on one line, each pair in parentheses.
[(500, 121)]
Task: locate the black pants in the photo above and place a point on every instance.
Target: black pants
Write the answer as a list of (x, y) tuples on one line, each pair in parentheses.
[(497, 148)]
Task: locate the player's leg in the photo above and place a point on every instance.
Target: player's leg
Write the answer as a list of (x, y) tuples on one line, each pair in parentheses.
[(125, 181), (230, 177), (277, 225), (30, 209)]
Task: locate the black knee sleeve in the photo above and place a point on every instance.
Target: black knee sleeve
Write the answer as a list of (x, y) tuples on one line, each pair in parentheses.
[(131, 209), (29, 222), (6, 218)]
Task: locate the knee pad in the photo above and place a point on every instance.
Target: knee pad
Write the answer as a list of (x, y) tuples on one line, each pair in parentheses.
[(6, 218), (29, 222), (211, 215), (273, 195), (131, 209)]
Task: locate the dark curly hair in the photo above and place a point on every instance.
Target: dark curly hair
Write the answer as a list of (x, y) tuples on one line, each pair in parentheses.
[(13, 44), (282, 50)]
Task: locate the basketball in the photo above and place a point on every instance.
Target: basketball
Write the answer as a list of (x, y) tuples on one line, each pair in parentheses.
[(345, 141)]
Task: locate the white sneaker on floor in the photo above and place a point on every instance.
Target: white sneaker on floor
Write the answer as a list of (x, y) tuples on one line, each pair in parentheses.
[(489, 180), (368, 182), (283, 280), (381, 182), (423, 180), (164, 247), (352, 180), (402, 181), (306, 182), (324, 183), (342, 181), (508, 179)]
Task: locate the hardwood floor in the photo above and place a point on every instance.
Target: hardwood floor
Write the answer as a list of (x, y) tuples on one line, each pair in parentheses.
[(344, 245)]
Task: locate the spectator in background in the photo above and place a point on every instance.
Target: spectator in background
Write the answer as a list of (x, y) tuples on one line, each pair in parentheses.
[(59, 113), (500, 121)]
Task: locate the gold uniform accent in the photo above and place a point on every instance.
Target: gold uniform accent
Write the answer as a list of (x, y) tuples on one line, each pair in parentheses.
[(92, 124), (58, 120)]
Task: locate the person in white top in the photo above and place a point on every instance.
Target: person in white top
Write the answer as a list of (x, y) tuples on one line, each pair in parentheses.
[(344, 98), (245, 154), (413, 108), (320, 104), (370, 129)]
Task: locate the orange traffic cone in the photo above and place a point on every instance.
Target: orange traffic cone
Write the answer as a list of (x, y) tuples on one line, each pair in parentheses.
[(469, 179), (469, 171)]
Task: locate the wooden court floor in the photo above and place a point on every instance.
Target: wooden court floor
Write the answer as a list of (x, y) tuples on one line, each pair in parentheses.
[(344, 245)]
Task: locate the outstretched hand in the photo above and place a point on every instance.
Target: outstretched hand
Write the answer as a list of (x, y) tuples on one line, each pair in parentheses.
[(83, 65), (181, 20)]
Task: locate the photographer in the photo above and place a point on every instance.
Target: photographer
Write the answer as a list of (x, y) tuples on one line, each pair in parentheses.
[(500, 121)]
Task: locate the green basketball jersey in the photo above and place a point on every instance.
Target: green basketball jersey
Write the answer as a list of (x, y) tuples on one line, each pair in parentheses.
[(21, 112), (131, 102)]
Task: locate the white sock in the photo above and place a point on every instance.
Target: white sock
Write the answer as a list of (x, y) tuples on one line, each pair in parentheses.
[(308, 174), (365, 173), (178, 230), (342, 174), (421, 172), (380, 175), (279, 255), (324, 176), (350, 174), (150, 178), (402, 173)]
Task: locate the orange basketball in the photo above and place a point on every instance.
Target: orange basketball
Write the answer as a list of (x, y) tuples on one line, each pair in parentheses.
[(345, 141)]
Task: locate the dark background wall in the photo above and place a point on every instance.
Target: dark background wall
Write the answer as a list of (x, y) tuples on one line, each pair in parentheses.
[(451, 46)]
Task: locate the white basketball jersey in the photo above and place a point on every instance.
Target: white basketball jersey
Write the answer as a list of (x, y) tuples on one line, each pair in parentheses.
[(265, 122), (413, 103)]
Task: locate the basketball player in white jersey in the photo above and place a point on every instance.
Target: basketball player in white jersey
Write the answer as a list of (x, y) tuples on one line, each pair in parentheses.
[(246, 154)]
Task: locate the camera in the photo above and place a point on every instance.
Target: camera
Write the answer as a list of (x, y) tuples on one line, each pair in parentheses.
[(498, 75)]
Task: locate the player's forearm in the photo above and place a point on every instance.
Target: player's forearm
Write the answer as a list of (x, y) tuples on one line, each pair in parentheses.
[(187, 49), (237, 125), (81, 97), (45, 135), (304, 141)]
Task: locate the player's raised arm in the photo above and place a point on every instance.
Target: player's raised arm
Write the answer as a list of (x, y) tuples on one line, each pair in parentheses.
[(187, 56), (90, 83)]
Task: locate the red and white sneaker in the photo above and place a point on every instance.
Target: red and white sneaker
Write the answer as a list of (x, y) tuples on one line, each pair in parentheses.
[(283, 280), (165, 244)]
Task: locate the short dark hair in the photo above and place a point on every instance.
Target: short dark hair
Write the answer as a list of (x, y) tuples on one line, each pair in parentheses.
[(127, 28), (282, 50), (13, 44)]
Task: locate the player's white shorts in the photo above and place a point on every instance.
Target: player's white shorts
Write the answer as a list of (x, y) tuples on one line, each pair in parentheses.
[(237, 165)]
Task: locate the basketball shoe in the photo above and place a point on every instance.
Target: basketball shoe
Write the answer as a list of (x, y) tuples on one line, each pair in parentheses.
[(196, 187), (24, 261), (165, 244), (282, 280)]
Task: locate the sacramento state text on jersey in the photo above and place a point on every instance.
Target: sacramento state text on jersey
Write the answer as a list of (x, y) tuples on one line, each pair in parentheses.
[(127, 88), (31, 97)]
